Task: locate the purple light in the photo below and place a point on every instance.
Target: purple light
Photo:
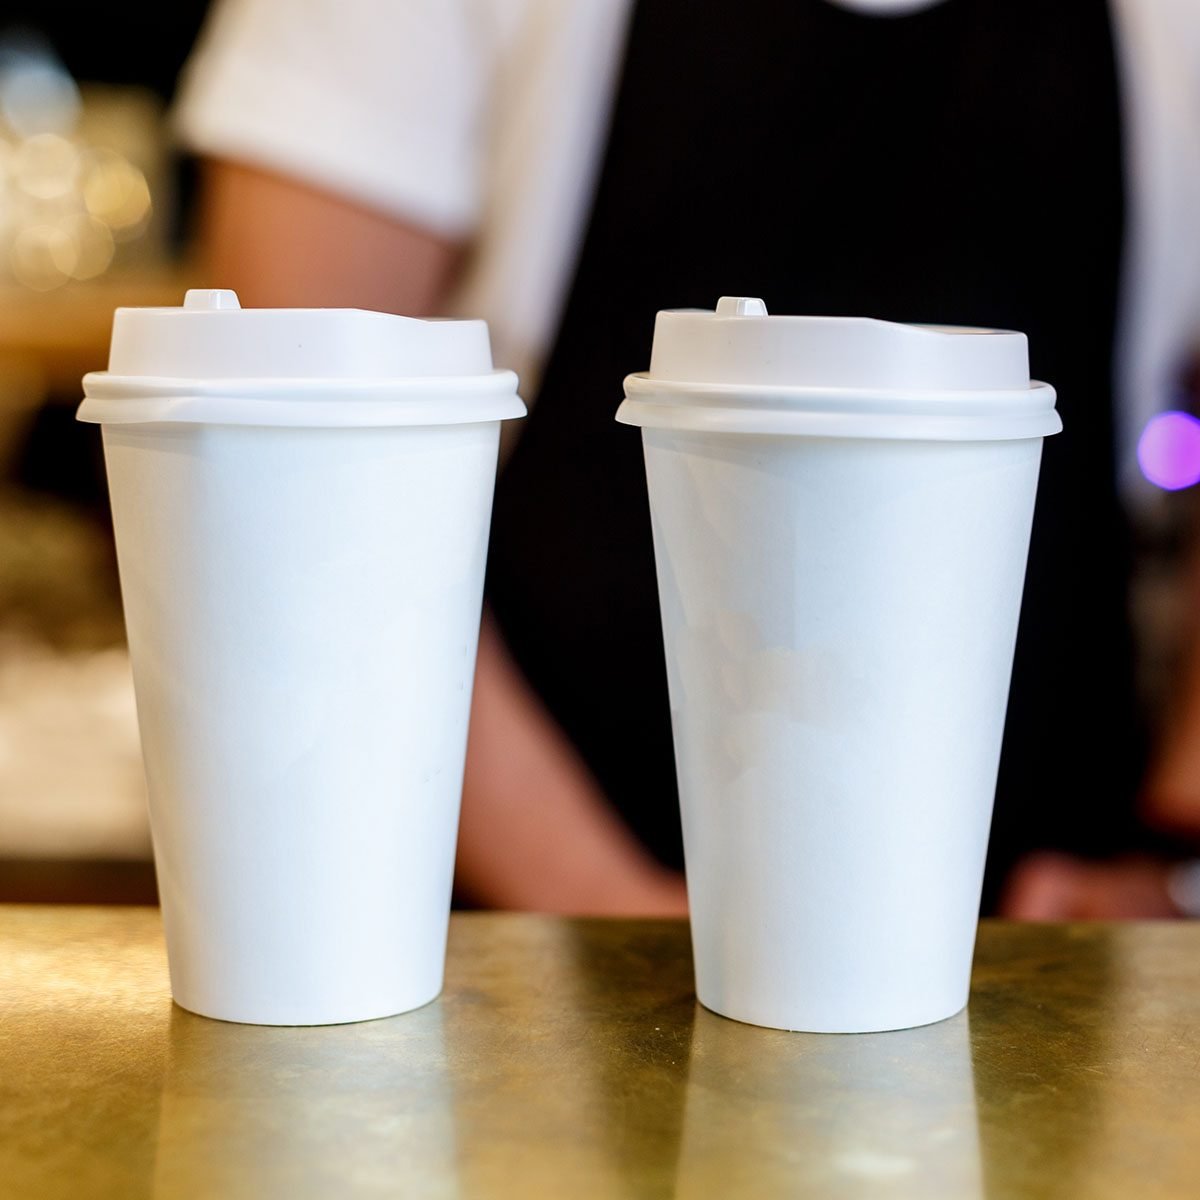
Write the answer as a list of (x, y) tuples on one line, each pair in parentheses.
[(1169, 450)]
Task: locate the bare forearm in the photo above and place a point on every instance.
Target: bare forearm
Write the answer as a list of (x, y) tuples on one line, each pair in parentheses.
[(280, 243), (536, 832)]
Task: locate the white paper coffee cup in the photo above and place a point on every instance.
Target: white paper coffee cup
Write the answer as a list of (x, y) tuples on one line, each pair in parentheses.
[(841, 512), (301, 502)]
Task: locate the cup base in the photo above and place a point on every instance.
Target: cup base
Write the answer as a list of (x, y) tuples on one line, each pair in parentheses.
[(800, 1024), (292, 1018)]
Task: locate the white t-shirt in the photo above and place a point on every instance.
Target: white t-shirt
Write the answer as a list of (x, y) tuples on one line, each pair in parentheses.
[(485, 119)]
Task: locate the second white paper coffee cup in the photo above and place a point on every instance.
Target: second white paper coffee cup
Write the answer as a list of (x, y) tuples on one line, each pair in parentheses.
[(301, 502), (841, 512)]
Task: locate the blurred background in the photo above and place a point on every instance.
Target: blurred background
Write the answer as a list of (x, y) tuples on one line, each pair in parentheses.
[(95, 208), (93, 214)]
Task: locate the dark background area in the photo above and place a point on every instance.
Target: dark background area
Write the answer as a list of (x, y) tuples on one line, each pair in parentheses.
[(131, 43)]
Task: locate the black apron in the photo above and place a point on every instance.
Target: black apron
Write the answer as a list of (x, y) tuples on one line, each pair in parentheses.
[(959, 165)]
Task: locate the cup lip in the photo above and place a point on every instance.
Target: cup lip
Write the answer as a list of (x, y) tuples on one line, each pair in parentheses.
[(106, 385), (1035, 395), (901, 414), (309, 402)]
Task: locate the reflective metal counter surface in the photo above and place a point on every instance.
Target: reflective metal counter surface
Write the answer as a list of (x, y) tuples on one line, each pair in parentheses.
[(569, 1058)]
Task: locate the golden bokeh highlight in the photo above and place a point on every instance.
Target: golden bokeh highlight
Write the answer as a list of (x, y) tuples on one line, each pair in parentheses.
[(43, 256), (116, 193), (46, 166), (94, 245), (73, 198)]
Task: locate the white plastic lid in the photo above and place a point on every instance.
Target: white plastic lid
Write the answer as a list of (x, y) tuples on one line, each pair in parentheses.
[(739, 370), (213, 362)]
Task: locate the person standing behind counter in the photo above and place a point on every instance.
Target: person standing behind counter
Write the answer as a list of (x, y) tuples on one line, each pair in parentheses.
[(564, 169)]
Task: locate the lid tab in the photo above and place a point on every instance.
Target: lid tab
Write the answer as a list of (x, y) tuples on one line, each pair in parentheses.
[(741, 306), (210, 298)]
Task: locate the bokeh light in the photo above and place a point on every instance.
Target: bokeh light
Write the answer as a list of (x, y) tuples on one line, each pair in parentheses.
[(37, 95), (116, 192), (43, 256), (1169, 450), (46, 166), (94, 244), (72, 198)]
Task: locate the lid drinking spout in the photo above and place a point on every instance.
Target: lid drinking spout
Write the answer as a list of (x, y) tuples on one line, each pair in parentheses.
[(210, 298), (741, 306)]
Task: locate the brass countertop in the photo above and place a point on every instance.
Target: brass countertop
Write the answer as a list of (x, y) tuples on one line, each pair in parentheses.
[(569, 1058)]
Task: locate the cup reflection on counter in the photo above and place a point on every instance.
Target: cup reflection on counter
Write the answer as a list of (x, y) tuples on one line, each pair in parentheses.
[(251, 1113), (878, 1116)]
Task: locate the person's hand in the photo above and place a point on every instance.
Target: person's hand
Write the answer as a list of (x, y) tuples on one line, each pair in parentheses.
[(665, 896), (1057, 887)]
